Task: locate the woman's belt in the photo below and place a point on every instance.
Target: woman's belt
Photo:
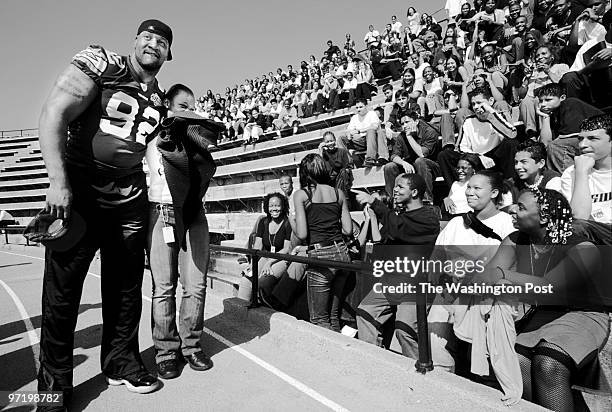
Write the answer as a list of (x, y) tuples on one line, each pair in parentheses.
[(321, 245), (166, 210), (160, 206)]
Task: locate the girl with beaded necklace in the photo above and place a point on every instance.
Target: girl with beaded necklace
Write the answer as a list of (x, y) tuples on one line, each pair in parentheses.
[(558, 343)]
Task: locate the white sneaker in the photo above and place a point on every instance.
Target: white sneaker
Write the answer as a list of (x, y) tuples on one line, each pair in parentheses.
[(139, 382)]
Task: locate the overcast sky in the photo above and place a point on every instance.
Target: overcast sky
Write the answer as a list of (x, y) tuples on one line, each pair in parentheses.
[(216, 43)]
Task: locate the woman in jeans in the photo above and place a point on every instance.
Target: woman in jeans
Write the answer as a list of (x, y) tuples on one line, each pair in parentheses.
[(175, 339), (322, 217)]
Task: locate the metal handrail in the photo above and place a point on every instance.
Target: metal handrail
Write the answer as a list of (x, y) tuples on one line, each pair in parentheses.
[(423, 364)]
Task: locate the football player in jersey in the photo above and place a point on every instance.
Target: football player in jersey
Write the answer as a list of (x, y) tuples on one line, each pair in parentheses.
[(94, 128)]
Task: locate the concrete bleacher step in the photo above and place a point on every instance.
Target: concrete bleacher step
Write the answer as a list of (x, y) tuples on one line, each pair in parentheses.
[(13, 146), (274, 147), (18, 166), (17, 139), (316, 122), (18, 193), (23, 175), (225, 263), (26, 184), (30, 158), (227, 220), (222, 284), (248, 190), (286, 161), (363, 178), (393, 384), (35, 206), (234, 243), (326, 120)]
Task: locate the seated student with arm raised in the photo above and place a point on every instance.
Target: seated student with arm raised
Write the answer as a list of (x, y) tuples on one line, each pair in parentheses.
[(416, 224)]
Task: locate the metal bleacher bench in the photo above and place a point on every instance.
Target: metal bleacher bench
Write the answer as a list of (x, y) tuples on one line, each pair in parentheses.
[(12, 227)]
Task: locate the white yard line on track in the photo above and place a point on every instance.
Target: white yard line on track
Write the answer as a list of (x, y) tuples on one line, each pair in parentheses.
[(25, 317), (305, 389)]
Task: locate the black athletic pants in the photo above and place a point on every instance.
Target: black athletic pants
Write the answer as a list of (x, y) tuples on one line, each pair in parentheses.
[(119, 232)]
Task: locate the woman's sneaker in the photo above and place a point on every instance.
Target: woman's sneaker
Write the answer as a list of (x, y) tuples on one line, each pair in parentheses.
[(139, 382)]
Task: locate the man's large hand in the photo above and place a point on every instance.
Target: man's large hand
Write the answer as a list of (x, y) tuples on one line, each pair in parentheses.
[(59, 201)]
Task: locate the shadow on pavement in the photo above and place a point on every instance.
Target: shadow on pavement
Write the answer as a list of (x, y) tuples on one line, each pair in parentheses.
[(22, 408), (23, 372), (23, 368), (91, 389), (17, 327), (231, 325)]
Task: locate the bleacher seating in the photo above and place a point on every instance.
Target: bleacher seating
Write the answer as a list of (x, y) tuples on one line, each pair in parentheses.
[(23, 177)]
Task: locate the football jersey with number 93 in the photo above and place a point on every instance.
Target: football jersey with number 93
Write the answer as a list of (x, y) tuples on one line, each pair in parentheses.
[(109, 138)]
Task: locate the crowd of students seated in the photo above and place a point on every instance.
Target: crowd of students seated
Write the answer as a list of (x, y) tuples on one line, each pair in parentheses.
[(541, 181)]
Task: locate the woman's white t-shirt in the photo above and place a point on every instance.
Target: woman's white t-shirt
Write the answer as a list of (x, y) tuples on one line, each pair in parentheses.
[(158, 188), (462, 243), (457, 195), (435, 87), (600, 188)]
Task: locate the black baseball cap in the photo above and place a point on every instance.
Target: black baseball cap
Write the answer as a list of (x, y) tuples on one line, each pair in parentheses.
[(196, 125), (56, 234), (159, 28)]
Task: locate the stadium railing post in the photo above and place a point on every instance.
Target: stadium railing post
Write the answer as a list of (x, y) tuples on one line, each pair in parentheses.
[(424, 364), (254, 281)]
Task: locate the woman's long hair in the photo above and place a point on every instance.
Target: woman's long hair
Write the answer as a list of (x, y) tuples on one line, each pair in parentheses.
[(457, 63), (313, 171), (411, 71)]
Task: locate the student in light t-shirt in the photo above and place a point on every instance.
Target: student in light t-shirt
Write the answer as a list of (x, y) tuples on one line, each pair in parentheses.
[(588, 183), (362, 134), (487, 134), (460, 242)]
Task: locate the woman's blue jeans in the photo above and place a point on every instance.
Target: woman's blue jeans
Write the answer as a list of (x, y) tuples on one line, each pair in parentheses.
[(325, 286), (168, 264)]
